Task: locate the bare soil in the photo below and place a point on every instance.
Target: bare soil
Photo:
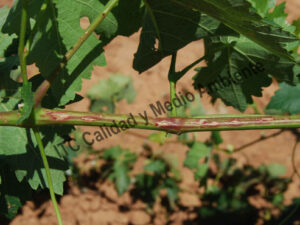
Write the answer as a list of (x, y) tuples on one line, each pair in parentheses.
[(101, 205)]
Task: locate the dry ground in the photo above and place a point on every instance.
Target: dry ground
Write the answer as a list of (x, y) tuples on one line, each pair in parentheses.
[(102, 206)]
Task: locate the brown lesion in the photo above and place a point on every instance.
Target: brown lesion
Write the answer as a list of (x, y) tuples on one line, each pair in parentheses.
[(59, 116), (65, 116), (178, 124)]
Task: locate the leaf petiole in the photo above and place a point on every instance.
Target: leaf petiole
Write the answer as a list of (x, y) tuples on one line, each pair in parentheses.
[(47, 168)]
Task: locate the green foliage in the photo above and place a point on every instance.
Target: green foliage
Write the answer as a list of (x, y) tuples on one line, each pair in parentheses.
[(285, 100), (216, 138), (167, 27), (28, 98), (91, 53), (237, 34), (25, 150), (106, 94), (227, 197), (5, 39), (158, 137), (11, 199), (233, 186), (263, 6), (296, 23), (160, 173), (126, 19), (238, 67), (239, 16), (246, 73), (16, 157), (234, 82), (122, 161), (275, 170), (192, 109), (197, 152)]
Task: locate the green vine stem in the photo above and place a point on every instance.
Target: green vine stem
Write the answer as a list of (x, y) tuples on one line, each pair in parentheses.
[(172, 81), (36, 26), (21, 52), (47, 168), (260, 139), (295, 170), (43, 88), (181, 73), (293, 212), (176, 125)]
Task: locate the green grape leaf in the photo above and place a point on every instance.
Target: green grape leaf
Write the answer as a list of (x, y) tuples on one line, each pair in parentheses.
[(201, 171), (101, 105), (173, 165), (28, 98), (12, 22), (197, 108), (121, 178), (3, 15), (278, 199), (274, 13), (13, 193), (122, 162), (276, 170), (192, 109), (296, 23), (167, 27), (239, 70), (10, 90), (117, 86), (216, 137), (285, 100), (25, 148), (57, 31), (240, 16), (106, 93), (5, 39), (158, 137), (263, 6), (278, 16), (91, 53), (11, 204), (112, 153), (125, 19), (172, 190), (197, 152), (156, 166), (147, 187), (47, 49)]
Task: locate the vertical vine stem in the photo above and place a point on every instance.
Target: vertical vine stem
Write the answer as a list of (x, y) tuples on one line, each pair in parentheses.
[(295, 170), (21, 49), (47, 168), (172, 81), (23, 53), (43, 88), (35, 28)]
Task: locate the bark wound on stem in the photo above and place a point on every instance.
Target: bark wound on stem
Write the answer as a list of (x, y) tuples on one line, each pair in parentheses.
[(63, 116), (184, 124)]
